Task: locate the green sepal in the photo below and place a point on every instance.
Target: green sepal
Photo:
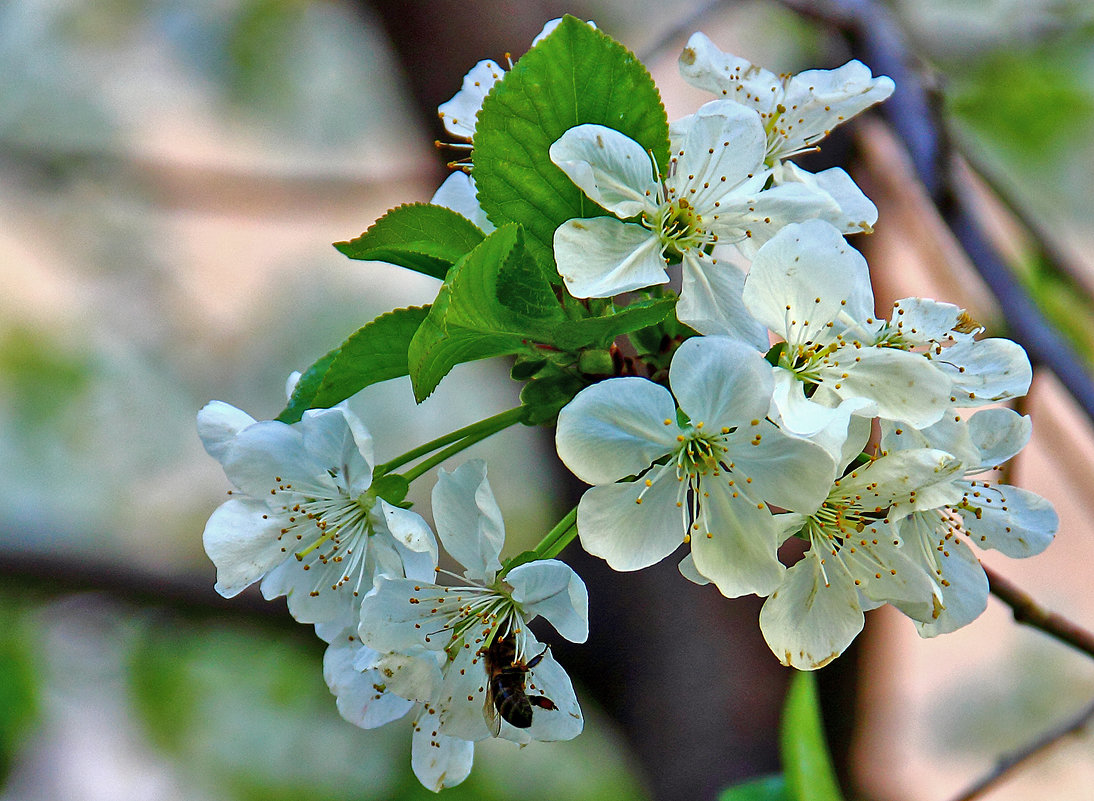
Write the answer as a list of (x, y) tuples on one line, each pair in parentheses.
[(575, 75), (806, 762), (545, 397), (421, 237), (766, 788), (493, 302), (602, 330), (525, 367), (392, 488), (374, 353)]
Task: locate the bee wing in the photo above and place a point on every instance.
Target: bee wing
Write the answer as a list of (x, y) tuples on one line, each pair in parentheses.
[(490, 711)]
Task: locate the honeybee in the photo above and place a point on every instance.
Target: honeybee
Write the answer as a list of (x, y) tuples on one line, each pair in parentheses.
[(506, 698)]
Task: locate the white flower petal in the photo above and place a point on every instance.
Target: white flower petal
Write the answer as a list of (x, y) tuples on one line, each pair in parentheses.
[(722, 147), (358, 699), (991, 370), (550, 680), (243, 542), (811, 619), (551, 589), (616, 428), (785, 471), (734, 543), (458, 193), (1016, 522), (410, 530), (706, 67), (822, 99), (805, 277), (905, 385), (720, 382), (710, 300), (628, 535), (463, 697), (688, 571), (923, 320), (218, 425), (395, 616), (336, 439), (854, 212), (600, 257), (999, 434), (438, 761), (308, 594), (459, 114), (468, 519), (611, 168)]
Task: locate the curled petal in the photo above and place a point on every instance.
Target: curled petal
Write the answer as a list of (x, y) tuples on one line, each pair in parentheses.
[(551, 588), (611, 168), (468, 519), (218, 425)]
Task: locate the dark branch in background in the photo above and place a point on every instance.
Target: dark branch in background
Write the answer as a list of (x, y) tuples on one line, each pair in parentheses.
[(1009, 762), (915, 114), (1030, 613)]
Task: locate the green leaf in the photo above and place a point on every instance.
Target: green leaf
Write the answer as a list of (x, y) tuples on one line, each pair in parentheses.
[(575, 75), (768, 788), (424, 238), (377, 352), (806, 762), (492, 303)]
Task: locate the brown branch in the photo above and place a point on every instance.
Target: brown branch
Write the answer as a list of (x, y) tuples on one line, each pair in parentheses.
[(1009, 762), (1030, 613)]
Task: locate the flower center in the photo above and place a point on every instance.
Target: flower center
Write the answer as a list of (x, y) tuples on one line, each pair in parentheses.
[(326, 530), (678, 226)]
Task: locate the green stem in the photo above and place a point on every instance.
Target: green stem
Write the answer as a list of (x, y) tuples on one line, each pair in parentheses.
[(491, 425), (559, 537), (470, 435)]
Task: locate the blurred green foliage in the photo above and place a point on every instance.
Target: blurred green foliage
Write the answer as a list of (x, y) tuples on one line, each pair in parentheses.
[(19, 693), (245, 712)]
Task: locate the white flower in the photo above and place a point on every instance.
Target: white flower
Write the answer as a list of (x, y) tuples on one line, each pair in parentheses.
[(304, 519), (373, 689), (704, 480), (468, 623), (856, 559), (1017, 522), (712, 195), (982, 370), (812, 289), (797, 112)]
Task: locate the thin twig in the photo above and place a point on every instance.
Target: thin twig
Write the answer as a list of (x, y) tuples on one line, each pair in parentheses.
[(1009, 762), (1030, 613)]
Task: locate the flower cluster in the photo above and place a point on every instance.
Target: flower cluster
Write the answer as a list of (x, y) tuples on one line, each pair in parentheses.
[(759, 412), (306, 518)]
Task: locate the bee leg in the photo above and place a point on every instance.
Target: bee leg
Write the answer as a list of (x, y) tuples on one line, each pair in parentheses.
[(542, 701)]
